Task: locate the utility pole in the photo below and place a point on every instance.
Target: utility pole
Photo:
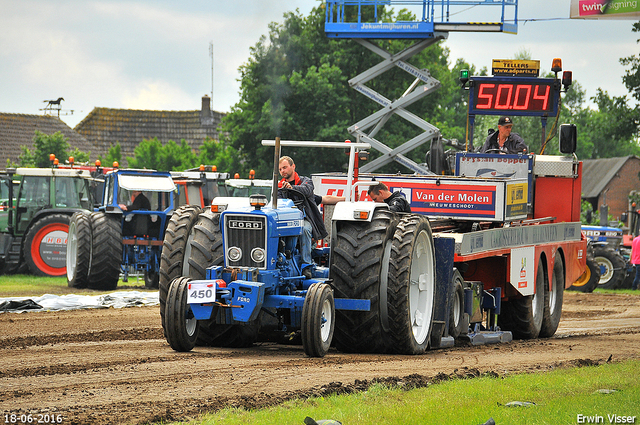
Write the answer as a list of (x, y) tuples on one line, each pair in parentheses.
[(211, 56)]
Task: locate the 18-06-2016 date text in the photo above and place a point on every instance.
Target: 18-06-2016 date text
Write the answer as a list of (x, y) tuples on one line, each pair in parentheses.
[(29, 418)]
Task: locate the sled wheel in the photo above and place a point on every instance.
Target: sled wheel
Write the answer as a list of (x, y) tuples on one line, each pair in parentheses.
[(181, 325), (79, 250), (456, 312), (318, 320), (45, 246), (553, 300), (523, 316)]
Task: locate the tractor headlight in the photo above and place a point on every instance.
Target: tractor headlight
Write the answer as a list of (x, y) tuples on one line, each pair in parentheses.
[(257, 255), (234, 253)]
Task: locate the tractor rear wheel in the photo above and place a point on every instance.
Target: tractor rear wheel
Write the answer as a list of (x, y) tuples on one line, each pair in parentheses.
[(412, 284), (589, 279), (318, 320), (553, 300), (523, 316), (612, 267), (45, 245), (106, 252), (174, 258), (360, 257), (181, 326), (79, 250), (205, 246)]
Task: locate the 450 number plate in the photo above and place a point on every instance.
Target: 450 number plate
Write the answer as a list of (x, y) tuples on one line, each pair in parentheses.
[(201, 292)]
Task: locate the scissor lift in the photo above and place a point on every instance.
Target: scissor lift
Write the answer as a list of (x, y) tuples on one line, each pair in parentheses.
[(359, 20)]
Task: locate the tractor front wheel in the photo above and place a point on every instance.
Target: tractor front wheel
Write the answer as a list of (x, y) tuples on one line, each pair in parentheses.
[(79, 250), (318, 320), (181, 327), (106, 252)]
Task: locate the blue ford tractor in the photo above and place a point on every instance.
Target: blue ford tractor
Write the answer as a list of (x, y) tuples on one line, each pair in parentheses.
[(123, 234)]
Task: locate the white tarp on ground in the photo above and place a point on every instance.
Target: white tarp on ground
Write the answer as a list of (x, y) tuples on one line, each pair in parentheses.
[(50, 302)]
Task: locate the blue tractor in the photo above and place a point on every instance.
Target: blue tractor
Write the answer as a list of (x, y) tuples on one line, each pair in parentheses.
[(124, 234), (262, 272), (609, 255)]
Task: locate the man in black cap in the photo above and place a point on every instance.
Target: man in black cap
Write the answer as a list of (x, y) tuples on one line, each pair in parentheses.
[(503, 140)]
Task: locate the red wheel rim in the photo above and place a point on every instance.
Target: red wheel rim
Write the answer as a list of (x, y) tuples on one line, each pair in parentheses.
[(52, 237)]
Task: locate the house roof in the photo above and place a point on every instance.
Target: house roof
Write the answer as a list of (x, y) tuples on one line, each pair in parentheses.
[(597, 173), (105, 127), (17, 130)]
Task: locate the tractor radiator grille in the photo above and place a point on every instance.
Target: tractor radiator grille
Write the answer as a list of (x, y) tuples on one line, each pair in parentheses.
[(246, 233)]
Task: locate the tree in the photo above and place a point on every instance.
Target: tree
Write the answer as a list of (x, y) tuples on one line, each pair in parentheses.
[(610, 131), (151, 154), (631, 78), (114, 154), (213, 152), (44, 145)]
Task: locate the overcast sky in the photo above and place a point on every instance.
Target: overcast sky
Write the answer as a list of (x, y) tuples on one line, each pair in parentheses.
[(154, 54)]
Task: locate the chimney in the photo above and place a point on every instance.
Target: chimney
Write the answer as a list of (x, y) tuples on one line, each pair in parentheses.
[(206, 115)]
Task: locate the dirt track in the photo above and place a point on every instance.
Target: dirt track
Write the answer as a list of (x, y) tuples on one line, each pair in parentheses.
[(114, 367)]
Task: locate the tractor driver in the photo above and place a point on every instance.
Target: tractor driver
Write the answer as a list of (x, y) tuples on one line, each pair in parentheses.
[(140, 202), (504, 140), (313, 223)]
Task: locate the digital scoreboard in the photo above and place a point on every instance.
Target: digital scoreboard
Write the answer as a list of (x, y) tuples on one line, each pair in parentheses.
[(513, 96)]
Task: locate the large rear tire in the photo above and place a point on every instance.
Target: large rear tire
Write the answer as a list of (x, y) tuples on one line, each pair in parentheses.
[(106, 254), (360, 258), (553, 300), (318, 320), (174, 258), (589, 279), (181, 327), (612, 267), (206, 250), (412, 284), (79, 250), (45, 246), (523, 316)]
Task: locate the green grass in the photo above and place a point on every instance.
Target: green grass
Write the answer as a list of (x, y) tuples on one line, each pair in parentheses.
[(30, 286), (614, 292), (559, 397)]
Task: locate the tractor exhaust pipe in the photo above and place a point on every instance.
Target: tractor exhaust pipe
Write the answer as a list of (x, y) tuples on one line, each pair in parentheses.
[(276, 163)]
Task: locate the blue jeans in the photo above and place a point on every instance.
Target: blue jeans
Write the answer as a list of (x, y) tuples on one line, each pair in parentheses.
[(305, 242), (636, 281)]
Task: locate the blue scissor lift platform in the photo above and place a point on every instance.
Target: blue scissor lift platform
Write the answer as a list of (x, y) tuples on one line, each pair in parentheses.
[(360, 20)]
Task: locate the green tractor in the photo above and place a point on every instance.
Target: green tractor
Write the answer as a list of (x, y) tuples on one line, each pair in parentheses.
[(36, 205)]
